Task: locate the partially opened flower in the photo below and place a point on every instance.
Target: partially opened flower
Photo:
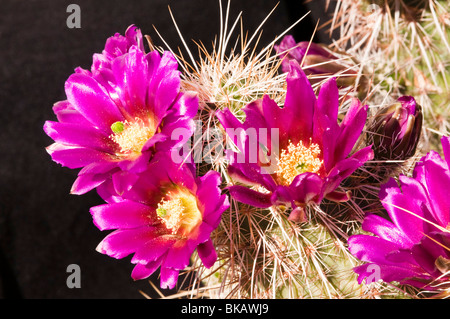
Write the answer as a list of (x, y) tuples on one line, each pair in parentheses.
[(163, 219), (310, 155), (119, 114), (395, 130), (317, 60), (413, 246)]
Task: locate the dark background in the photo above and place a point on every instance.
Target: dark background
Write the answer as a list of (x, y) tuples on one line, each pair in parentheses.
[(43, 228)]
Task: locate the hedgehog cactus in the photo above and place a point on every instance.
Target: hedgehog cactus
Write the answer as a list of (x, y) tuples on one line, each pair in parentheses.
[(270, 214)]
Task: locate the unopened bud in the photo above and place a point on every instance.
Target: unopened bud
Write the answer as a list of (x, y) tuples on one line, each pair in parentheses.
[(317, 60), (395, 130)]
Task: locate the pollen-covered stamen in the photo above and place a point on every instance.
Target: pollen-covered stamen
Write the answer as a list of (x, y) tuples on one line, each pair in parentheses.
[(131, 136), (179, 213), (297, 159)]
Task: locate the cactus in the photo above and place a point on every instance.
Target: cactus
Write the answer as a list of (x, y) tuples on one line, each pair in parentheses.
[(292, 230)]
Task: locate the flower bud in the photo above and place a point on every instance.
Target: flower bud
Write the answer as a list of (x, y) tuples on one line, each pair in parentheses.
[(395, 130), (317, 60)]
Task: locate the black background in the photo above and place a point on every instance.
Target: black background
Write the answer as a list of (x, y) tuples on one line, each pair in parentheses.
[(43, 228)]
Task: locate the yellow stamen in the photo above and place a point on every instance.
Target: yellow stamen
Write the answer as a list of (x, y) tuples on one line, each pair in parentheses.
[(179, 213), (297, 159), (131, 136)]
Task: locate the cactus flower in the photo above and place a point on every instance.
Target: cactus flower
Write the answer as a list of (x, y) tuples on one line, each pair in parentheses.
[(395, 130), (167, 214), (316, 59), (413, 246), (311, 156), (119, 114)]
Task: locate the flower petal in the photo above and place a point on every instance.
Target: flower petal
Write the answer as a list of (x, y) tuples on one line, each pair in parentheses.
[(142, 271), (250, 197), (255, 173), (164, 82), (75, 157), (445, 141), (99, 168), (79, 135), (169, 277), (131, 74), (338, 197), (153, 249), (388, 273), (275, 119), (126, 214), (123, 181), (179, 254), (209, 191), (66, 113), (122, 242), (371, 248), (345, 168), (213, 218), (237, 175), (186, 104), (328, 100), (437, 180), (87, 182), (88, 98), (306, 187), (300, 99), (174, 133), (386, 230), (207, 253), (325, 124), (402, 210), (231, 125), (351, 128), (137, 164), (429, 249)]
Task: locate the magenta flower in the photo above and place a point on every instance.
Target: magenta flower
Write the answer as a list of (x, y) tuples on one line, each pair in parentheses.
[(119, 114), (413, 246), (316, 60), (313, 148), (395, 130), (163, 218)]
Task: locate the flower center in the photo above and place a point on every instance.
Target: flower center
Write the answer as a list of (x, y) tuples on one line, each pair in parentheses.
[(298, 159), (131, 136), (179, 213)]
